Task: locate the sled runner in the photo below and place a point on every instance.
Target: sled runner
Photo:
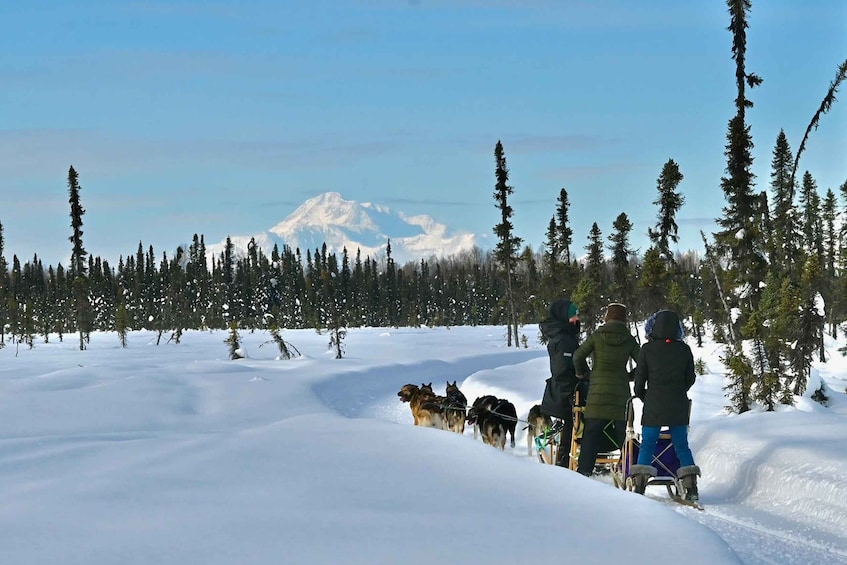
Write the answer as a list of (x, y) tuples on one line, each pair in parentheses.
[(665, 461)]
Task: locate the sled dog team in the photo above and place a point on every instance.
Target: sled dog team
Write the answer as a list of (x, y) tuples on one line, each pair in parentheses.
[(492, 418)]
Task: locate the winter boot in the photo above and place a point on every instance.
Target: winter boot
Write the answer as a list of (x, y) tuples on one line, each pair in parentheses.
[(640, 475), (688, 477)]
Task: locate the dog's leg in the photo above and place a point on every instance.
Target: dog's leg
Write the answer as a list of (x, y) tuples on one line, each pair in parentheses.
[(530, 439)]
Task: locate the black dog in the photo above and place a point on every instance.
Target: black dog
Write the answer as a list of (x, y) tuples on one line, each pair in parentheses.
[(495, 418)]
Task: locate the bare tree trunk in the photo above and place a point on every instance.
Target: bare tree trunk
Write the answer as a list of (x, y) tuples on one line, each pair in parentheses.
[(733, 337), (511, 320)]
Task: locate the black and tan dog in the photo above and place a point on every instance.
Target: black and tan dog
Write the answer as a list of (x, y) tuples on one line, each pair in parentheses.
[(481, 404), (537, 424), (456, 408), (425, 405), (495, 418)]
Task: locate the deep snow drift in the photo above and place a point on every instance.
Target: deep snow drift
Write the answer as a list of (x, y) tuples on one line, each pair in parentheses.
[(176, 454)]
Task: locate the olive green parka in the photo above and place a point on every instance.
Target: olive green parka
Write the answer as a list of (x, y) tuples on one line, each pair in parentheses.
[(611, 347)]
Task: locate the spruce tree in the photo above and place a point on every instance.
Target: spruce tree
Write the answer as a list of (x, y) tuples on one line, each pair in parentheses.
[(810, 322), (551, 263), (740, 237), (621, 286), (812, 227), (507, 243), (4, 290), (784, 239), (233, 342), (78, 265), (122, 324), (564, 233), (653, 282), (669, 202), (334, 315), (590, 293), (829, 215), (840, 303)]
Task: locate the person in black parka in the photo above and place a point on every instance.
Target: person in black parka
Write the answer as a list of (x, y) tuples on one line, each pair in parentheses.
[(664, 374), (561, 329)]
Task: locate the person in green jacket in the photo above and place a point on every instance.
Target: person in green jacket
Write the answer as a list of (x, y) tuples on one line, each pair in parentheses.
[(611, 347)]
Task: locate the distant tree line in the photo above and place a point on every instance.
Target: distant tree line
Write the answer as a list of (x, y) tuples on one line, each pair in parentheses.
[(771, 285)]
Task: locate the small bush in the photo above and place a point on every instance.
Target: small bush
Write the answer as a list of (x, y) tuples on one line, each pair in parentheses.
[(700, 367), (233, 340), (286, 350)]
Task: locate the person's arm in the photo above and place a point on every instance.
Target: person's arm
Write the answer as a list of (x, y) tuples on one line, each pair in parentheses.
[(580, 357), (634, 350), (640, 388), (690, 374)]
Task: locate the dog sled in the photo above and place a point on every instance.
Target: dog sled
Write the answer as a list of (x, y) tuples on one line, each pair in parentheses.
[(665, 461), (610, 455), (549, 443)]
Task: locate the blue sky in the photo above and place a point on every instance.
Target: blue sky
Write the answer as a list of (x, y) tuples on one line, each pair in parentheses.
[(221, 118)]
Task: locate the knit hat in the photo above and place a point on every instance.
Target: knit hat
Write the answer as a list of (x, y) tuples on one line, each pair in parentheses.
[(615, 312)]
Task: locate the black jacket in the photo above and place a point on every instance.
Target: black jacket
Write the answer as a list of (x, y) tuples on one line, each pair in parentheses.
[(664, 374), (562, 341)]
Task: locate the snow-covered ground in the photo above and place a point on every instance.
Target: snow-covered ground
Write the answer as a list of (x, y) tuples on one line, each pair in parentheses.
[(176, 454)]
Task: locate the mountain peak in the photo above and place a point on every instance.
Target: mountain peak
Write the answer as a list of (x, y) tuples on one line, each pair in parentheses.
[(366, 227)]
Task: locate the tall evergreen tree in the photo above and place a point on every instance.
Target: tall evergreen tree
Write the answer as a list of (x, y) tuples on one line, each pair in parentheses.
[(812, 224), (508, 244), (78, 253), (78, 260), (841, 279), (4, 289), (829, 216), (590, 293), (810, 322), (622, 284), (740, 237), (564, 233), (669, 202), (653, 282), (551, 264), (784, 239)]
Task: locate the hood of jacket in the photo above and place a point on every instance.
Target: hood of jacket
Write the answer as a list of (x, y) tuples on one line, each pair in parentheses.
[(558, 321), (554, 328), (666, 325)]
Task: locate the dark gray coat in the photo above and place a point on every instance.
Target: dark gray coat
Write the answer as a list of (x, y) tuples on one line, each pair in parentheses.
[(664, 374)]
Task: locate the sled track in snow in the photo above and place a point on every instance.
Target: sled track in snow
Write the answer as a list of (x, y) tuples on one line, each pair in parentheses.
[(771, 547)]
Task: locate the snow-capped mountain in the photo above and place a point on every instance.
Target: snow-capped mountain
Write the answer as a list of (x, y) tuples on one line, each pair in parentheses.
[(329, 218)]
